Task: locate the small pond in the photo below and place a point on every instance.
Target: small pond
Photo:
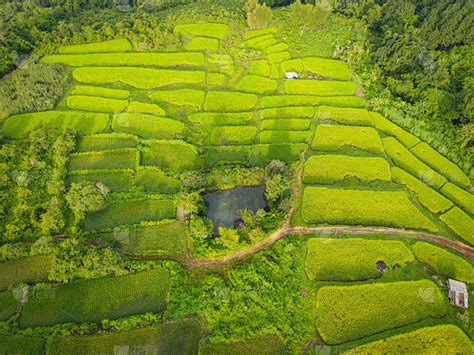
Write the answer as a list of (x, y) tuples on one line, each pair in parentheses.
[(224, 207)]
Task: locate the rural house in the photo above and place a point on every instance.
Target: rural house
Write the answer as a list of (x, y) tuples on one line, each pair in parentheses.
[(291, 75), (458, 295)]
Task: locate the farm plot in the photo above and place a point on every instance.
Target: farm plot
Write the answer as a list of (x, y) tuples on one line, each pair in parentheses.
[(461, 223), (115, 180), (261, 154), (328, 169), (14, 344), (106, 142), (284, 137), (130, 212), (9, 304), (391, 129), (345, 313), (202, 44), (115, 45), (124, 158), (227, 154), (310, 100), (180, 97), (156, 181), (88, 90), (221, 101), (144, 107), (176, 156), (260, 68), (281, 124), (277, 57), (96, 104), (221, 119), (461, 197), (213, 30), (257, 85), (103, 298), (349, 116), (319, 88), (30, 269), (327, 68), (262, 345), (287, 112), (362, 207), (352, 259), (260, 32), (260, 42), (147, 126), (233, 135), (331, 138)]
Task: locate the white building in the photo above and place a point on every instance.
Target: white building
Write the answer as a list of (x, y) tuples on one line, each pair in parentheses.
[(458, 294), (291, 75)]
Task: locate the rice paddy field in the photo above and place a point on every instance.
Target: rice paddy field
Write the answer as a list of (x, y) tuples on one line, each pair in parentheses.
[(150, 125)]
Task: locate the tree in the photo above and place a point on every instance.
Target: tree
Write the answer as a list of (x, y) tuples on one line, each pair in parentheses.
[(228, 238), (82, 198), (258, 15)]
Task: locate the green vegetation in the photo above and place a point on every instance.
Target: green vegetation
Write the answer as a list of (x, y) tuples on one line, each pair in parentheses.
[(213, 30), (261, 154), (390, 128), (284, 137), (286, 124), (233, 135), (155, 180), (371, 208), (346, 313), (124, 158), (287, 112), (310, 100), (115, 45), (202, 44), (12, 344), (221, 119), (328, 169), (349, 116), (260, 32), (278, 57), (101, 92), (319, 88), (327, 68), (96, 104), (262, 345), (180, 97), (24, 270), (330, 138), (176, 156), (259, 67), (147, 126), (461, 197), (352, 259), (221, 101), (9, 303), (460, 222), (257, 85), (106, 142), (143, 107), (115, 180)]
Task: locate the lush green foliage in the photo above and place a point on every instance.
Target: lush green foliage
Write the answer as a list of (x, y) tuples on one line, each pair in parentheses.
[(24, 270), (177, 156), (96, 104), (327, 68), (461, 223), (100, 91), (114, 180), (349, 116), (390, 128), (147, 126), (213, 30), (233, 135), (220, 101), (155, 180), (257, 85), (180, 97), (116, 45), (123, 158), (9, 304), (105, 142), (461, 197), (319, 88), (262, 345), (21, 344)]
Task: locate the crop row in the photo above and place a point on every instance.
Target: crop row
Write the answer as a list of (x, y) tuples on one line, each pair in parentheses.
[(24, 270), (311, 100), (322, 67), (147, 126), (115, 46)]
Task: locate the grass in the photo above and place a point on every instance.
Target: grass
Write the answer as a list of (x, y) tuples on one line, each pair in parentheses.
[(115, 45), (259, 67), (227, 154), (30, 269), (233, 135), (444, 262), (329, 169), (254, 41), (331, 138), (286, 124), (279, 47), (220, 101), (130, 212), (180, 97), (288, 112), (185, 59), (213, 30), (403, 158), (96, 104), (278, 57), (428, 197), (284, 137), (349, 116), (18, 126), (144, 107), (262, 345), (147, 126), (103, 298), (441, 164), (460, 222), (176, 156), (291, 65), (141, 78), (105, 142), (345, 313), (9, 305), (362, 207), (21, 345), (101, 92), (319, 88), (124, 158), (180, 337), (260, 32), (462, 198), (202, 44), (311, 100), (221, 119), (115, 180), (352, 259), (261, 154), (428, 340), (327, 68), (156, 181), (257, 85), (216, 79), (391, 129)]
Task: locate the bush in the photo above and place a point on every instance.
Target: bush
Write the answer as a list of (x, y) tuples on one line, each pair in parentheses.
[(176, 156), (441, 164), (309, 100), (202, 44), (213, 30), (180, 97), (288, 112), (14, 344), (428, 197), (284, 137), (101, 92), (124, 158), (106, 142), (261, 32), (9, 304), (278, 58), (147, 126), (115, 180), (97, 299), (262, 345), (352, 259), (390, 128), (403, 158), (328, 169), (327, 68), (130, 212), (30, 269), (349, 116), (283, 124), (19, 126), (345, 313), (319, 88), (96, 104), (444, 262), (259, 67), (427, 340), (144, 107), (141, 78), (461, 223), (257, 85), (221, 119), (461, 197), (362, 207), (233, 135), (115, 45), (220, 101), (330, 138), (155, 180)]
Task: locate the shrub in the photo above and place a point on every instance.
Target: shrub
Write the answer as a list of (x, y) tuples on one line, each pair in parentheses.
[(461, 197), (15, 344), (257, 85), (330, 138), (349, 116), (233, 135), (180, 97), (104, 298), (278, 57), (283, 124), (261, 154), (100, 91), (306, 14), (115, 180), (345, 313), (288, 112), (319, 88), (441, 164), (352, 259), (260, 32), (427, 340), (141, 78), (370, 208), (213, 30), (259, 67), (220, 101), (147, 126), (461, 223), (30, 269), (278, 47), (178, 337), (327, 68), (106, 141), (444, 262), (175, 156), (328, 169), (130, 212), (403, 158), (9, 304), (262, 345), (155, 180), (124, 158), (309, 100), (427, 196), (19, 126), (390, 128), (284, 136), (221, 119), (115, 45), (96, 104), (202, 44), (144, 107)]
